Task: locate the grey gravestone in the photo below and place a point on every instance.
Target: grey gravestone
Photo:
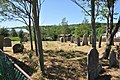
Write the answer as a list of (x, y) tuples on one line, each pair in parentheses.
[(100, 40), (72, 39), (85, 40), (78, 41), (25, 39), (92, 64), (61, 39), (90, 39), (7, 42), (18, 48), (1, 42), (65, 39), (113, 58)]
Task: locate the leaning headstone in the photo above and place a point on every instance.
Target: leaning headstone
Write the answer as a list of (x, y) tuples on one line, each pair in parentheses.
[(90, 39), (100, 40), (18, 48), (1, 42), (72, 39), (78, 41), (113, 58), (85, 40), (61, 39), (7, 42), (92, 64)]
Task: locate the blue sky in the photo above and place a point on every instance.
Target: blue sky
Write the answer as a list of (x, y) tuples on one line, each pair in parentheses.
[(53, 11)]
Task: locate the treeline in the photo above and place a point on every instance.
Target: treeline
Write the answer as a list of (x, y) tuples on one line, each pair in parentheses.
[(13, 34), (52, 32)]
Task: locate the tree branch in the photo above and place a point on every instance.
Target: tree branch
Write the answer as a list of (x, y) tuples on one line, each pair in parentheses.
[(81, 7)]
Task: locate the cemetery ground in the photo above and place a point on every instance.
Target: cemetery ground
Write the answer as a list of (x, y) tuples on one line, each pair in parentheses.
[(63, 61)]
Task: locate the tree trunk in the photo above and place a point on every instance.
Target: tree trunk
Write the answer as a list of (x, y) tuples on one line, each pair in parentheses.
[(30, 31), (35, 41), (93, 25), (110, 41), (30, 34), (35, 11)]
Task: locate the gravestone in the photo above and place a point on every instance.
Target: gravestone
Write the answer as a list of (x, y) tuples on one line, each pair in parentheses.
[(61, 39), (78, 41), (65, 39), (113, 58), (92, 64), (25, 39), (100, 40), (72, 39), (90, 39), (1, 42), (85, 40), (7, 42), (18, 48)]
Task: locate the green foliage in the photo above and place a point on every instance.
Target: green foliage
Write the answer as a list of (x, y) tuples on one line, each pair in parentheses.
[(15, 38), (81, 30), (52, 32), (21, 34), (100, 31), (14, 33), (4, 31)]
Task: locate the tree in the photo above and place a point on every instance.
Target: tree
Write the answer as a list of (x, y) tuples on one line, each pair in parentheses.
[(35, 11), (13, 33), (4, 32), (64, 26), (18, 10), (82, 29), (21, 35), (111, 30)]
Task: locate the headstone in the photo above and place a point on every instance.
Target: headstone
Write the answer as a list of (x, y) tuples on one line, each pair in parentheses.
[(92, 64), (113, 58), (65, 39), (25, 39), (72, 39), (7, 42), (85, 40), (90, 39), (100, 40), (1, 42), (18, 48), (78, 41), (61, 39)]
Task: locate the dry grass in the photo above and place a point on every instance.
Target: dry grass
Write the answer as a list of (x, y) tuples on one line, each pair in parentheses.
[(64, 61)]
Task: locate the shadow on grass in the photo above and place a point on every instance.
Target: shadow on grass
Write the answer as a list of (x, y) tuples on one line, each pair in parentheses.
[(63, 69), (104, 77), (22, 65)]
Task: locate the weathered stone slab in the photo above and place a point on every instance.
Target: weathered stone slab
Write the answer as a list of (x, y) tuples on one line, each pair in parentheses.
[(18, 48), (100, 40), (92, 64), (113, 58), (61, 39), (1, 42), (72, 39), (65, 39), (78, 41), (90, 39), (85, 40), (25, 39), (7, 42)]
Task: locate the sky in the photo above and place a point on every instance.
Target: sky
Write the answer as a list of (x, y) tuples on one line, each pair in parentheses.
[(53, 11)]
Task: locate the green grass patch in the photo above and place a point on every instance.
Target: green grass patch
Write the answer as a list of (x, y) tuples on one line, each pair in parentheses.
[(14, 38)]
